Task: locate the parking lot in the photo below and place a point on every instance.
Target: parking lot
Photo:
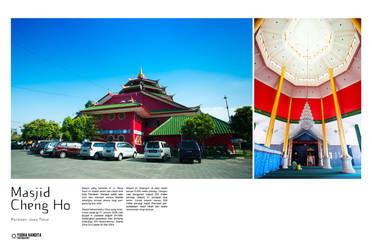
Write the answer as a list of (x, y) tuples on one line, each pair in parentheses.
[(33, 166)]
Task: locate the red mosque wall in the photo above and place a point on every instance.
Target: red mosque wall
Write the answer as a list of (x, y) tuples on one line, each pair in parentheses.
[(349, 99), (107, 124), (148, 102)]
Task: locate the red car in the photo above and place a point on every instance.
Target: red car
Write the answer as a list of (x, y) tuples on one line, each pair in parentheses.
[(64, 149)]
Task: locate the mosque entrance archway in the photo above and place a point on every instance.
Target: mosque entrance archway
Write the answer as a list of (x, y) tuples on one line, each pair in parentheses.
[(305, 149), (302, 151)]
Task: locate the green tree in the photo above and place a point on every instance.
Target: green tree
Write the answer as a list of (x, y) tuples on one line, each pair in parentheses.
[(89, 104), (200, 126), (241, 123), (41, 129), (80, 128), (68, 129)]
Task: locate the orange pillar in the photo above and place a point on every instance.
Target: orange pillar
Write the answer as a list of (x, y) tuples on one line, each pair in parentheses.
[(274, 110), (346, 159)]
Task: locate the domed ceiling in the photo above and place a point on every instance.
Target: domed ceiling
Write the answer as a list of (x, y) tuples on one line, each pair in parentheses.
[(316, 45), (307, 48)]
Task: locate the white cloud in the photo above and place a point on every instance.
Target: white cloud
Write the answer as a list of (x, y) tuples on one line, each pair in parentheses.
[(218, 112)]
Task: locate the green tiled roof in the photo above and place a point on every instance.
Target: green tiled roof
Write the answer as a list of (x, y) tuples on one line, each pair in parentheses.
[(173, 126), (121, 105)]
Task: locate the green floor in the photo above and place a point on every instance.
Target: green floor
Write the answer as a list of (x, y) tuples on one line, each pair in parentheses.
[(315, 172)]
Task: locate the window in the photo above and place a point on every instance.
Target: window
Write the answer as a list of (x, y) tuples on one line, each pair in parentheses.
[(152, 144), (109, 145), (87, 144), (110, 138), (121, 137), (111, 117), (121, 116), (99, 117)]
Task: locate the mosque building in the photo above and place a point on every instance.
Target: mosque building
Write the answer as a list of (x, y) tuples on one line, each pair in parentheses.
[(143, 111)]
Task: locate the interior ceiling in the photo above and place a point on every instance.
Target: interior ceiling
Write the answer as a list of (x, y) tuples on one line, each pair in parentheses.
[(347, 82), (307, 48)]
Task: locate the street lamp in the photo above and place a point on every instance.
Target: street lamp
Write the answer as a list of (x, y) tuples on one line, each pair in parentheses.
[(227, 107)]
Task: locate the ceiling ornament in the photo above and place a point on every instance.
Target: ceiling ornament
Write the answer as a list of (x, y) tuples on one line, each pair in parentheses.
[(307, 119)]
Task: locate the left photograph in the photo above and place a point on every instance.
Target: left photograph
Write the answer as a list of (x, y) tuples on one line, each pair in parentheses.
[(131, 98)]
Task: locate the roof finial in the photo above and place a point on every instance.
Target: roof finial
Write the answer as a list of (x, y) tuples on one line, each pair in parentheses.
[(141, 75)]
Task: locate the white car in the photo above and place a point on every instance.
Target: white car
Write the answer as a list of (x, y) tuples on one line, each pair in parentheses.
[(119, 150), (92, 149), (157, 150)]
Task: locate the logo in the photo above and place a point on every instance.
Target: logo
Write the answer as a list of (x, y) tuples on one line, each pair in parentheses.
[(25, 236)]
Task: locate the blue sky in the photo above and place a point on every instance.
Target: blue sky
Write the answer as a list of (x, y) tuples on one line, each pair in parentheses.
[(59, 64)]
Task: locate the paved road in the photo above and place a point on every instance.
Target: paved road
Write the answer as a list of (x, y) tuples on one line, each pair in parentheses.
[(30, 166)]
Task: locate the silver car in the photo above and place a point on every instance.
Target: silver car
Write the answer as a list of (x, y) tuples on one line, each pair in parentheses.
[(159, 150), (119, 150), (92, 149)]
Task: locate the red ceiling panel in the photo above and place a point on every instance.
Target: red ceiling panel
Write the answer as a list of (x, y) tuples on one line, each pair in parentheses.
[(349, 99)]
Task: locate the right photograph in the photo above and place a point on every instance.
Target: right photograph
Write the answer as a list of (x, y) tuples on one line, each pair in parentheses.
[(307, 98)]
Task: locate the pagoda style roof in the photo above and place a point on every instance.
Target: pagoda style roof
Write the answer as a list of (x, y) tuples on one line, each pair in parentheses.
[(139, 86), (140, 110), (174, 124), (160, 97), (142, 83), (167, 99)]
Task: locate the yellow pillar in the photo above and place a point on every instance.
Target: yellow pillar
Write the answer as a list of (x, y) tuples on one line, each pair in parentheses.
[(357, 24), (257, 23), (274, 110), (338, 115), (325, 146), (285, 146)]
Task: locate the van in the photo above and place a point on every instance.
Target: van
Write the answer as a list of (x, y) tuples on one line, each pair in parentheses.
[(189, 150), (119, 150), (159, 150), (92, 149)]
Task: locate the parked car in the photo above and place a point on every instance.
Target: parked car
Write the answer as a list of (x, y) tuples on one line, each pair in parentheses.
[(92, 149), (64, 149), (39, 147), (157, 150), (119, 150), (49, 149), (17, 145), (189, 150)]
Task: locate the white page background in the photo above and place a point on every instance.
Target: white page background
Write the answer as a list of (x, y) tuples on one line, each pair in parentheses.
[(202, 214)]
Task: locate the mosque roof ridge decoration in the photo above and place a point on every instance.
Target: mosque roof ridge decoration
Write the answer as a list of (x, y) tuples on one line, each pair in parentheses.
[(140, 83), (141, 75)]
